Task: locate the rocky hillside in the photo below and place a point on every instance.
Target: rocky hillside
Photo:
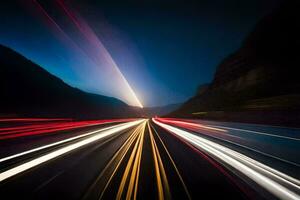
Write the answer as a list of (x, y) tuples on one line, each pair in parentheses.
[(261, 76)]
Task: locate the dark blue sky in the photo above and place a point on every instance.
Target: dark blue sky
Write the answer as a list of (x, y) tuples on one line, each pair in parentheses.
[(165, 49)]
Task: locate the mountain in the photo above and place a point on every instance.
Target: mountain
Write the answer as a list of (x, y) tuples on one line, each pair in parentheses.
[(28, 90), (160, 110), (259, 82)]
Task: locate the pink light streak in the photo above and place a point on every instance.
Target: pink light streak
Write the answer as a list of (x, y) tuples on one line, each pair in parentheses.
[(95, 50)]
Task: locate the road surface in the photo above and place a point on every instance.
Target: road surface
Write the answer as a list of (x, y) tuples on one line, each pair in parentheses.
[(147, 159)]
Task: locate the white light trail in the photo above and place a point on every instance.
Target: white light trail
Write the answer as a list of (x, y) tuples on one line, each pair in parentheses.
[(56, 143), (256, 132), (279, 184), (49, 156)]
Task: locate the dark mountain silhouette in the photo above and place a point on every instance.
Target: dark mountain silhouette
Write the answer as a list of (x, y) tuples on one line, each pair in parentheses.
[(260, 82), (30, 91)]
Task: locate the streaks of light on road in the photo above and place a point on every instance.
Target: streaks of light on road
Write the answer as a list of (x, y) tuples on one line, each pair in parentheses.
[(161, 177), (114, 163), (33, 119), (173, 163), (225, 128), (257, 132), (37, 125), (279, 184), (192, 124), (61, 151), (192, 128), (133, 166), (37, 129), (57, 143), (129, 181), (128, 187)]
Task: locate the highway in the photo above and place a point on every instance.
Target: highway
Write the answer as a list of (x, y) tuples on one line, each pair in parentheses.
[(157, 158)]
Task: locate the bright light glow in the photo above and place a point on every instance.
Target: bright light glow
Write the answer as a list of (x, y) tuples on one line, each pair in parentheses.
[(100, 54), (279, 184), (49, 156), (100, 62)]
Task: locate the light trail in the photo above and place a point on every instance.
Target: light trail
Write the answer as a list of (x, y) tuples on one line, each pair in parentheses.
[(131, 172), (93, 48), (33, 119), (194, 126), (161, 177), (257, 132), (225, 128), (191, 124), (114, 163), (29, 130), (134, 178), (56, 143), (133, 166), (279, 184), (128, 186), (61, 151), (96, 43), (215, 164), (173, 163)]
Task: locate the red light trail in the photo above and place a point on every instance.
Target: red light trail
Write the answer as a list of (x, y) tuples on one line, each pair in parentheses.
[(48, 127)]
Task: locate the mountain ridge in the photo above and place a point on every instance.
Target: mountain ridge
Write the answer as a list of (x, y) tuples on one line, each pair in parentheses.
[(244, 82), (44, 94)]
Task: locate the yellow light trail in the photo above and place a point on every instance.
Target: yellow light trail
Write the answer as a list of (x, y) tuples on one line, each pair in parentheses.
[(136, 138), (161, 177), (173, 163), (118, 157), (128, 186), (134, 163), (134, 178)]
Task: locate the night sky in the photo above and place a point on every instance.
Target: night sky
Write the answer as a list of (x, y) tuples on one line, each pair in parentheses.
[(164, 49)]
